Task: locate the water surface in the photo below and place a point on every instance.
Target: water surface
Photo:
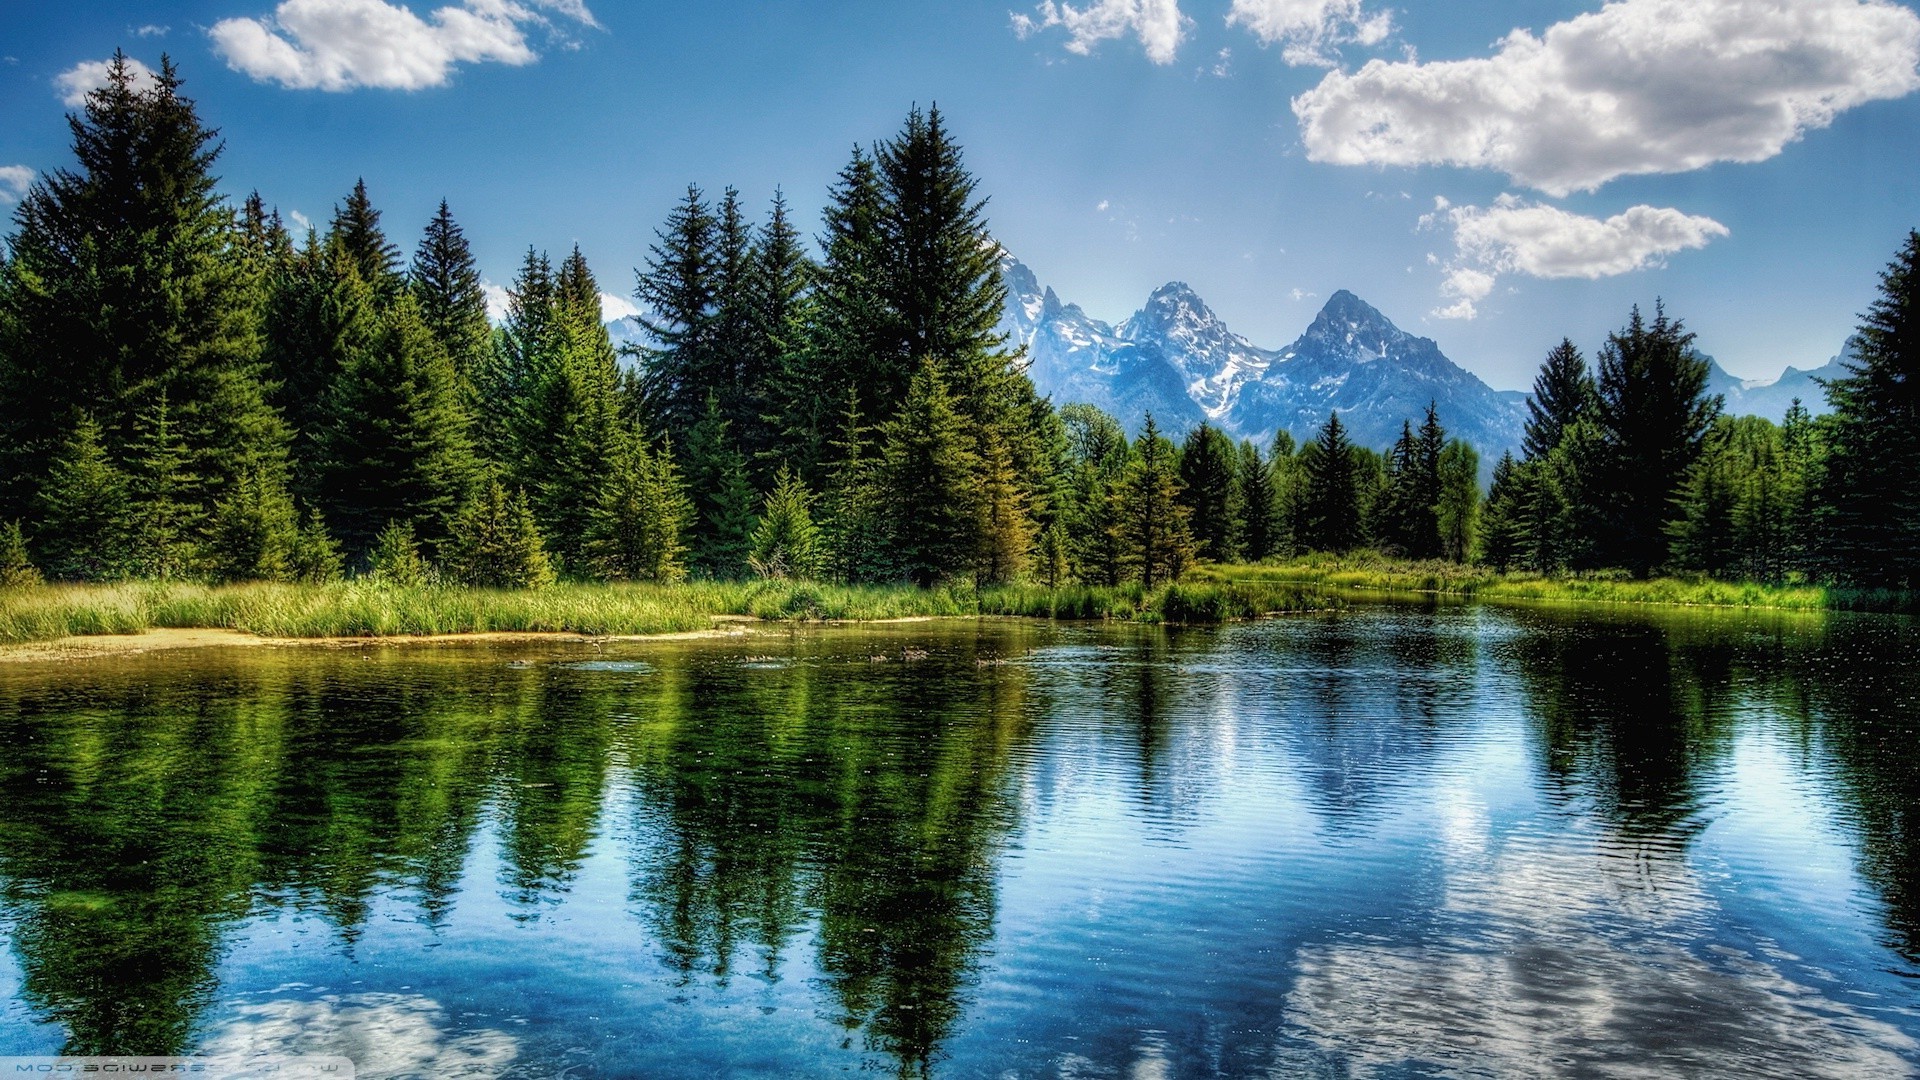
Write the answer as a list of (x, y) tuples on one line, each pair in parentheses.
[(1399, 841)]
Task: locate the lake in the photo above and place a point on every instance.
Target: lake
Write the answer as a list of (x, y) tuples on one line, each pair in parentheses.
[(1401, 840)]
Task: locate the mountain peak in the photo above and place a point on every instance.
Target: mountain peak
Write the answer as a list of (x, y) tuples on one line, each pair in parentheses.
[(1344, 308)]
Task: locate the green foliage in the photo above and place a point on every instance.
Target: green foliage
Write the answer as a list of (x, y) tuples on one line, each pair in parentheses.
[(931, 470), (83, 520), (396, 559), (639, 526), (495, 543), (1097, 456), (255, 533), (723, 498), (1457, 512), (1263, 524), (1330, 509), (787, 544), (679, 292), (356, 232), (446, 286), (16, 566), (1874, 455), (316, 558), (1563, 393), (1211, 493), (1502, 533), (1156, 541), (853, 532), (165, 524)]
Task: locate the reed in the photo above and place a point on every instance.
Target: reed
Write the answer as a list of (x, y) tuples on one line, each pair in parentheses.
[(369, 608)]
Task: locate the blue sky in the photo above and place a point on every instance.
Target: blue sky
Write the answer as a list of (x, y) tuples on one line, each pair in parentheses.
[(1494, 175)]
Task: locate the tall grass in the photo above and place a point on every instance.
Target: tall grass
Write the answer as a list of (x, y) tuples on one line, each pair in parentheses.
[(366, 608), (1371, 572)]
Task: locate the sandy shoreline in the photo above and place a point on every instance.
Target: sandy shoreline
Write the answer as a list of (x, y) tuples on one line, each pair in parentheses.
[(160, 639)]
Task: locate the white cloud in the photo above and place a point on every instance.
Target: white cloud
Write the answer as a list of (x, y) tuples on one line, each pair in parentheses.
[(1517, 237), (150, 30), (1310, 32), (1157, 23), (616, 307), (346, 44), (77, 81), (498, 298), (14, 182), (1302, 294), (1640, 86)]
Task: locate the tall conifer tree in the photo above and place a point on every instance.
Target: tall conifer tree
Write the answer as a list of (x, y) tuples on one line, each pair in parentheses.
[(446, 285), (1331, 509)]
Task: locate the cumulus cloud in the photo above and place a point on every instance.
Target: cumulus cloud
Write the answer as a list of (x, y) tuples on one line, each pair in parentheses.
[(1310, 32), (1640, 86), (14, 182), (78, 81), (346, 44), (1514, 236), (1157, 23), (616, 307), (498, 300)]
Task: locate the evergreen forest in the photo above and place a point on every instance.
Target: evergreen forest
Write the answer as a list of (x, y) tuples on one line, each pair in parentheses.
[(189, 390)]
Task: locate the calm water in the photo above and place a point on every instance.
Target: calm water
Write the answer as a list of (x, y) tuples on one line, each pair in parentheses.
[(1401, 841)]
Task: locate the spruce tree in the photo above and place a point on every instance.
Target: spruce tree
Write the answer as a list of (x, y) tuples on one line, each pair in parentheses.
[(853, 532), (84, 513), (567, 423), (932, 473), (679, 290), (786, 544), (526, 346), (1209, 485), (1261, 528), (723, 498), (495, 543), (356, 231), (639, 525), (1424, 532), (1874, 450), (1156, 540), (778, 284), (1330, 509), (1652, 412), (1396, 524), (316, 558), (255, 532), (16, 564), (127, 278), (166, 525), (1097, 452), (446, 285), (1457, 510), (1006, 525), (848, 319), (1562, 394), (1501, 523), (394, 442), (396, 560), (320, 317)]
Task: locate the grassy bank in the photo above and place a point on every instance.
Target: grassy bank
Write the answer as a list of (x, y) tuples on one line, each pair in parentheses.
[(1369, 572), (369, 609)]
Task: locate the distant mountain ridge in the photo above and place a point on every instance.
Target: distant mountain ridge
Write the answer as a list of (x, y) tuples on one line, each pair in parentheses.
[(1178, 360)]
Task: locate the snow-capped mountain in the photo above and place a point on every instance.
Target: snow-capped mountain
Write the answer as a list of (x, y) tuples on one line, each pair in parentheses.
[(1177, 359), (1772, 398)]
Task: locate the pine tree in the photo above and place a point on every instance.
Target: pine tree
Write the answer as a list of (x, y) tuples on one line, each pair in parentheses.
[(1330, 509), (1396, 516), (1501, 524), (1156, 540), (255, 533), (853, 533), (127, 278), (1097, 452), (848, 318), (1563, 392), (320, 317), (1424, 532), (679, 291), (1209, 490), (16, 565), (723, 498), (932, 473), (394, 444), (778, 282), (639, 526), (83, 532), (446, 285), (525, 347), (496, 544), (1261, 528), (940, 279), (316, 558), (1803, 464), (165, 524), (1653, 413), (786, 544), (396, 559), (1457, 511), (1289, 493), (356, 230), (1006, 526), (1874, 450)]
